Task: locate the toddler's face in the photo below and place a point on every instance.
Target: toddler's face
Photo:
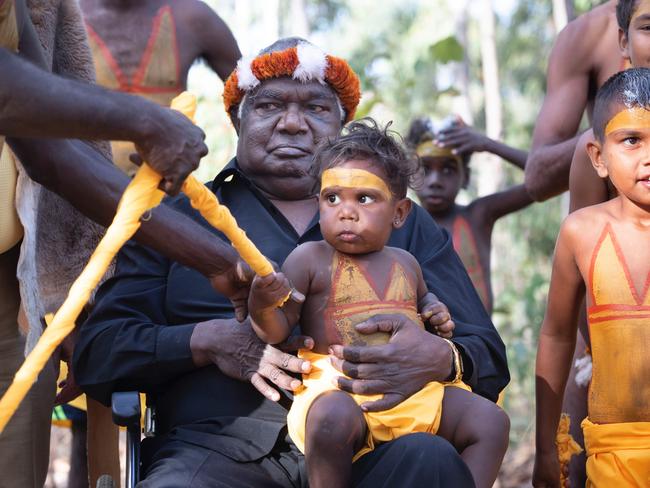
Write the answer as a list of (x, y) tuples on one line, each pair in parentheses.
[(358, 219), (443, 179)]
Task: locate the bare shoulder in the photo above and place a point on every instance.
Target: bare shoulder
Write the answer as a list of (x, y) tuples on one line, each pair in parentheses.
[(584, 225), (403, 257), (311, 252), (194, 12), (577, 42)]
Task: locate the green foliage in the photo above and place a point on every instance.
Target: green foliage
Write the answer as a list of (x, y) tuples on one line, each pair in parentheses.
[(582, 6), (446, 50)]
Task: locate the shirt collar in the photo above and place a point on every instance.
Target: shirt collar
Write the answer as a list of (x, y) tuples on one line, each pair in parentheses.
[(233, 170)]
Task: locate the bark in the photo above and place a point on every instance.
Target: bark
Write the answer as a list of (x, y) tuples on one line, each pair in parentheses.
[(299, 25), (490, 170), (561, 13)]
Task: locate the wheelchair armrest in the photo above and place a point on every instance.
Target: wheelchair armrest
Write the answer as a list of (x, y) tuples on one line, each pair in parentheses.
[(126, 408)]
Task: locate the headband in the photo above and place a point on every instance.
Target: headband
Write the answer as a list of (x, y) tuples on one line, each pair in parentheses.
[(432, 150), (304, 62), (629, 118), (353, 178)]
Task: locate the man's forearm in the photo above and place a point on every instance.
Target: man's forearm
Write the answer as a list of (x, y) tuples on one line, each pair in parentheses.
[(36, 103), (547, 169), (97, 189)]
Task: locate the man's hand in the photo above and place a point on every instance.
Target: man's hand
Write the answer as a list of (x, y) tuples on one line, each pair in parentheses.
[(173, 146), (437, 314), (268, 291), (463, 139), (69, 388), (412, 358), (546, 473), (239, 353), (235, 284)]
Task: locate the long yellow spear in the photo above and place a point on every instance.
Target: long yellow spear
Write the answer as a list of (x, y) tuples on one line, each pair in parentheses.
[(141, 195)]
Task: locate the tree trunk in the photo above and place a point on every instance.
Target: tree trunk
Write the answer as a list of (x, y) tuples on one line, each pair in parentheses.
[(299, 25), (561, 13), (462, 104), (490, 170), (570, 10)]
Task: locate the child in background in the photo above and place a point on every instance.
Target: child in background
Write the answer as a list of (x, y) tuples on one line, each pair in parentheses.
[(444, 153), (602, 255), (347, 278)]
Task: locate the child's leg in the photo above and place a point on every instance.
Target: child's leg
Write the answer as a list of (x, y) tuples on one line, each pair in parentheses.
[(478, 429), (335, 430)]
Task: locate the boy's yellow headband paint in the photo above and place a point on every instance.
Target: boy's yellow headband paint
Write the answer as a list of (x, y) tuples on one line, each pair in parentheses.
[(630, 118), (353, 178), (429, 149)]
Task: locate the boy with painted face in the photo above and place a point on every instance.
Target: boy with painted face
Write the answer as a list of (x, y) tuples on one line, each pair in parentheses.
[(602, 255), (348, 278), (444, 155)]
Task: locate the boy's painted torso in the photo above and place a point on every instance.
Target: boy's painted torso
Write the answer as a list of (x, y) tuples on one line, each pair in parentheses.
[(465, 244), (473, 246), (619, 327), (156, 78)]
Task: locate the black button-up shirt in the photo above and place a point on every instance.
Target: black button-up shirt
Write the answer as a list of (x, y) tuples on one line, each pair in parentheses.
[(138, 334)]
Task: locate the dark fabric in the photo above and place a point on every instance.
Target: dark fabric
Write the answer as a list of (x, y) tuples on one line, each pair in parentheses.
[(138, 334), (411, 461)]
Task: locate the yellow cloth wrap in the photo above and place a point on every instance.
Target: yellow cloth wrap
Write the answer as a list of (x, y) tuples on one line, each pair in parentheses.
[(419, 413), (8, 26), (353, 178), (630, 118), (567, 447), (11, 230), (141, 195), (8, 37), (618, 455)]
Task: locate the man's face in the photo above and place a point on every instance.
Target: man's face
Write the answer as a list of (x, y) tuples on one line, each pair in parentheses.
[(282, 122), (443, 179), (636, 45)]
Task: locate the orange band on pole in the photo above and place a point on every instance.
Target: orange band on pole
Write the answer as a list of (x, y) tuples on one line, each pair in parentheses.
[(353, 178), (630, 118)]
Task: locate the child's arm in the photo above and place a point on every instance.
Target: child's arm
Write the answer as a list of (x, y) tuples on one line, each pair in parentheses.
[(465, 140), (434, 313), (493, 207), (555, 350), (272, 324)]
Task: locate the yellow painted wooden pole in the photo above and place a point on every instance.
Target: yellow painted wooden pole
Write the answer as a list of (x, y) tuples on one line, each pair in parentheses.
[(141, 195)]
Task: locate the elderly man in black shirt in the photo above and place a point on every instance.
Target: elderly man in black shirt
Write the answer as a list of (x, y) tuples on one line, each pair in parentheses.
[(161, 328)]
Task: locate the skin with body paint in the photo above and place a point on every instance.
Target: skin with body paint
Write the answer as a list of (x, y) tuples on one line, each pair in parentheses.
[(358, 212), (587, 188), (445, 175), (624, 157)]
